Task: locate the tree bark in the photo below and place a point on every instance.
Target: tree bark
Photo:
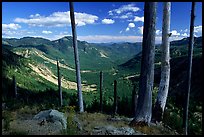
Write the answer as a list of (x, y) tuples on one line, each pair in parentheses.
[(165, 65), (101, 87), (144, 106), (76, 56), (190, 55), (59, 84)]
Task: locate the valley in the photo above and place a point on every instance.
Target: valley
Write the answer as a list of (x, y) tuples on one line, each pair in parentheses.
[(33, 62)]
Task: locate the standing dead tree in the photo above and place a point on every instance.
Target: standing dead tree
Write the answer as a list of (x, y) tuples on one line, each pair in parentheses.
[(190, 55), (158, 109), (143, 112), (101, 87), (76, 56), (115, 98), (59, 84)]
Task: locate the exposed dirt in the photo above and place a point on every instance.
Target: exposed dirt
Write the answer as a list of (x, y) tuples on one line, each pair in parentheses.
[(103, 55), (44, 72)]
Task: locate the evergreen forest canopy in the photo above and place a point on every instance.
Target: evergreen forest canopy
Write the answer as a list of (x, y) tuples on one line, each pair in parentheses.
[(33, 63)]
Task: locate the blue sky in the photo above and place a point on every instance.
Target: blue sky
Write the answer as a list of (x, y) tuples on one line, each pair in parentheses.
[(96, 21)]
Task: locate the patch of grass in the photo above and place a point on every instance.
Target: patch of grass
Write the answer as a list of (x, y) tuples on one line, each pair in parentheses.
[(153, 129), (6, 115), (91, 120), (71, 125), (18, 133)]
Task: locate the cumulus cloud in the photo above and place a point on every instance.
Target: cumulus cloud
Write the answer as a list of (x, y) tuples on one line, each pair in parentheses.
[(175, 33), (131, 25), (140, 30), (58, 19), (10, 29), (35, 16), (184, 34), (10, 26), (127, 29), (198, 29), (158, 32), (124, 8), (107, 21), (124, 16), (136, 19), (46, 32)]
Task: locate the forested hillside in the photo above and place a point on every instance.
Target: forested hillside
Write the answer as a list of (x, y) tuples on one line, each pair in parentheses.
[(33, 63)]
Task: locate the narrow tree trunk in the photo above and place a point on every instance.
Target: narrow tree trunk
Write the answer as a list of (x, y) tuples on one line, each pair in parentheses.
[(77, 64), (59, 84), (14, 87), (134, 99), (165, 65), (144, 106), (115, 97), (190, 55), (101, 87)]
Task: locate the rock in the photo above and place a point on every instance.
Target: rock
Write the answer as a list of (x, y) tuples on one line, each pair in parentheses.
[(111, 130), (119, 119), (78, 123), (4, 106), (32, 127), (51, 116)]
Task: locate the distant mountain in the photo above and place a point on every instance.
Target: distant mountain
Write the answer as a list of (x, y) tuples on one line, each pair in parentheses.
[(177, 49), (185, 41), (33, 60), (62, 48), (26, 41)]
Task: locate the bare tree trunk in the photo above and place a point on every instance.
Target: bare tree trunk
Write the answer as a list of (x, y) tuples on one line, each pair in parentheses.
[(144, 106), (165, 65), (190, 55), (134, 99), (77, 64), (14, 87), (115, 97), (59, 84), (101, 87)]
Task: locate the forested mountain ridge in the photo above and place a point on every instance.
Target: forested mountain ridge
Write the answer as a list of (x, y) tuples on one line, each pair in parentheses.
[(33, 61)]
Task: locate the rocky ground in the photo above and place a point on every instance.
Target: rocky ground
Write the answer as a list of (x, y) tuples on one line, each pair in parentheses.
[(28, 121)]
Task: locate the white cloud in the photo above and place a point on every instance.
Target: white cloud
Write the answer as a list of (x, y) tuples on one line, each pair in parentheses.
[(35, 16), (124, 8), (46, 32), (140, 29), (10, 26), (184, 34), (127, 29), (120, 31), (175, 33), (131, 25), (58, 19), (139, 19), (198, 29), (109, 38), (10, 29), (158, 32), (125, 16), (107, 21), (186, 30)]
